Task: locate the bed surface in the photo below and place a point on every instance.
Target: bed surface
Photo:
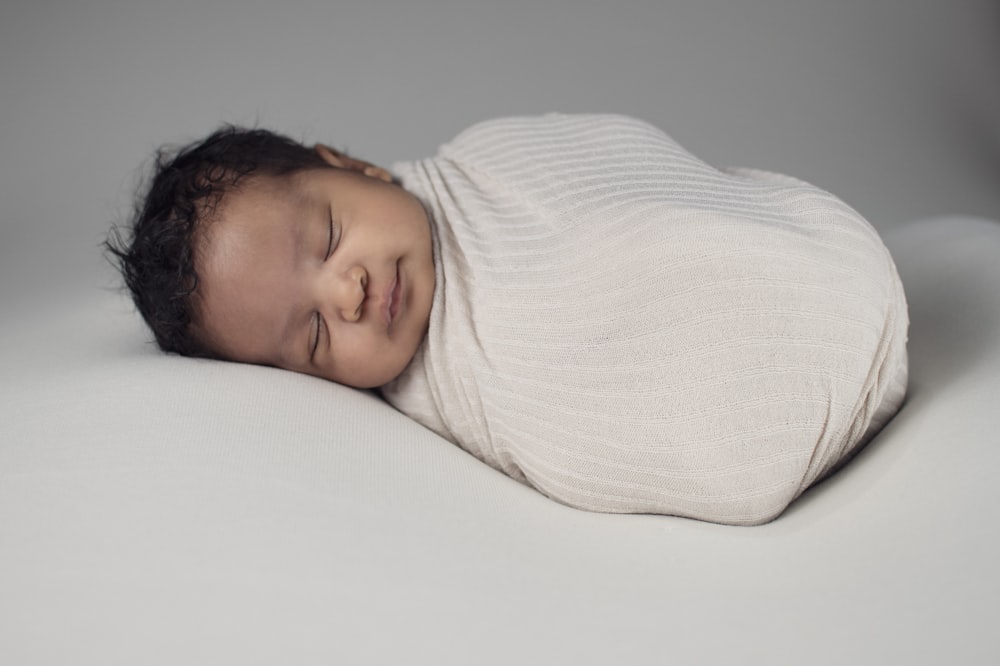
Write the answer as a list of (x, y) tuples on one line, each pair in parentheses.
[(160, 510)]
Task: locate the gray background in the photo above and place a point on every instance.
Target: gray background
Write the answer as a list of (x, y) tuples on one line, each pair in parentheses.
[(894, 105)]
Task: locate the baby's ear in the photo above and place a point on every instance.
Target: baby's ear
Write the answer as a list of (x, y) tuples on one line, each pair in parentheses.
[(341, 161)]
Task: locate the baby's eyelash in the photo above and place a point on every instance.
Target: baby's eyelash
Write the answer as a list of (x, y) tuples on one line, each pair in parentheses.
[(315, 341), (329, 244)]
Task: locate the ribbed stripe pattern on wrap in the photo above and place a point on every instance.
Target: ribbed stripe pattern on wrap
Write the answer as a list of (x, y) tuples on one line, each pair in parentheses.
[(628, 329)]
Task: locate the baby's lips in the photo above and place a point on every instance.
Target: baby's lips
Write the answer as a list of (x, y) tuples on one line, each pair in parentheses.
[(390, 300)]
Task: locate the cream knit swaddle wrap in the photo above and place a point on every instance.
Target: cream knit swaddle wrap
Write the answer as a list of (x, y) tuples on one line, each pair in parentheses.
[(628, 329)]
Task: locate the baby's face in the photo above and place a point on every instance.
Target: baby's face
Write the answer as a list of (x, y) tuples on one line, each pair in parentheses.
[(329, 272)]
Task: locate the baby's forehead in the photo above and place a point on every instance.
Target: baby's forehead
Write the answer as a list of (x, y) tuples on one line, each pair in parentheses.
[(255, 200), (259, 216), (265, 191), (247, 247), (238, 216)]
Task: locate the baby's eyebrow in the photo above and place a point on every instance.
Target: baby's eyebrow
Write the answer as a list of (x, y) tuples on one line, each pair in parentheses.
[(298, 244)]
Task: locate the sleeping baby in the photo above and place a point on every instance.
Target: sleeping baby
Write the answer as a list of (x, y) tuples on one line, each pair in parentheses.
[(575, 300)]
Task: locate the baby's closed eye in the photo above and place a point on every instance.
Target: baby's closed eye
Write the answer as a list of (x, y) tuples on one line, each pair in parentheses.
[(330, 247), (314, 344)]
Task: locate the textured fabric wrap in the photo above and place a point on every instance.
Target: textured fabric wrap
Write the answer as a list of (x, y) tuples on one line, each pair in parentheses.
[(628, 329)]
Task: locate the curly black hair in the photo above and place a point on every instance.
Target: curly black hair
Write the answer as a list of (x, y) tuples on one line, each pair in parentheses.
[(187, 185)]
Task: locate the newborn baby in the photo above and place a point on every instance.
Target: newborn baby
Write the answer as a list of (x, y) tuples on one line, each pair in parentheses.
[(573, 299)]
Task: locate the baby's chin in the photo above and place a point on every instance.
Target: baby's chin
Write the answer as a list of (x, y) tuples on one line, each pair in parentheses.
[(372, 377)]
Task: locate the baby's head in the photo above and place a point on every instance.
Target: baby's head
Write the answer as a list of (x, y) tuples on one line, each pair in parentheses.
[(251, 247)]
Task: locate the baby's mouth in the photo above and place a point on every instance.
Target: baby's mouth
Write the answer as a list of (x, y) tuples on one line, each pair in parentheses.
[(390, 307)]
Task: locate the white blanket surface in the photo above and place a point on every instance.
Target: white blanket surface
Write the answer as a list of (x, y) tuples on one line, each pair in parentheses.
[(628, 329)]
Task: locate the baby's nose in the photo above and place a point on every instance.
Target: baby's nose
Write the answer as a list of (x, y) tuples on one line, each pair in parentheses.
[(353, 298)]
